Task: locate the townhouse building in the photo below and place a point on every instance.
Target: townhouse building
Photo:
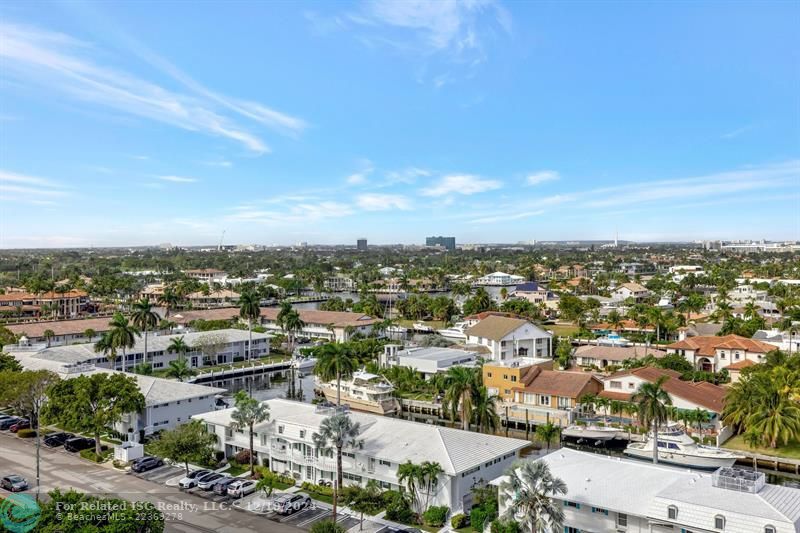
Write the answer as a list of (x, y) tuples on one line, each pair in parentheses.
[(285, 444)]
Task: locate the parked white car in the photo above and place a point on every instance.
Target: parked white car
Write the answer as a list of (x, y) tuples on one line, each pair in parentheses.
[(243, 487), (191, 478)]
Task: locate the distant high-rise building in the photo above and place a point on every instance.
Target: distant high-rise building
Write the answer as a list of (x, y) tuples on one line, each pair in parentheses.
[(361, 244), (448, 243)]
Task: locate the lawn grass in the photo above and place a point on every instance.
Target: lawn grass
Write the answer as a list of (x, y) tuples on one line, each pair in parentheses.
[(236, 469), (320, 497), (790, 451), (561, 330)]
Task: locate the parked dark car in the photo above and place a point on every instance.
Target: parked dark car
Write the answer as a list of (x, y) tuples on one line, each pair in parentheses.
[(23, 423), (143, 464), (8, 422), (76, 444), (14, 483), (289, 503), (222, 485), (54, 440)]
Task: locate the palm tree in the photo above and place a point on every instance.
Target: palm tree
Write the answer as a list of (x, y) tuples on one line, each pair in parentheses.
[(531, 489), (105, 345), (410, 474), (249, 309), (180, 369), (123, 335), (653, 401), (290, 323), (694, 303), (144, 369), (546, 433), (750, 310), (89, 333), (48, 335), (247, 413), (614, 319), (429, 476), (484, 411), (178, 346), (144, 318), (169, 299), (334, 361), (459, 395), (335, 433)]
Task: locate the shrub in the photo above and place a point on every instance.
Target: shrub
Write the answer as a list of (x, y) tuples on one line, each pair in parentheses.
[(478, 517), (435, 515), (26, 433), (504, 526), (318, 489), (242, 457), (458, 521), (397, 507), (326, 526), (91, 456)]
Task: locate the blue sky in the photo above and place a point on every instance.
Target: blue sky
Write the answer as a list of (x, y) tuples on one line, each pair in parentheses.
[(123, 124)]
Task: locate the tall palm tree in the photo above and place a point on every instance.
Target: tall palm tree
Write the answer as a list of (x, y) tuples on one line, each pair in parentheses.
[(169, 299), (410, 474), (249, 310), (48, 335), (178, 346), (334, 361), (429, 476), (653, 401), (247, 413), (123, 335), (291, 324), (144, 318), (531, 489), (485, 410), (335, 433), (459, 395)]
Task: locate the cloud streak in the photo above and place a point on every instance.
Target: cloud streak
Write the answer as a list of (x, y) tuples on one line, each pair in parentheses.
[(465, 184), (177, 179), (543, 176), (53, 60)]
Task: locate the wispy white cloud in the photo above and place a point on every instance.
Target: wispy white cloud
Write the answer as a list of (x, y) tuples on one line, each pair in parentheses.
[(222, 163), (542, 177), (383, 202), (407, 176), (57, 61), (360, 177), (302, 213), (461, 184), (737, 132), (506, 218), (177, 179), (22, 188)]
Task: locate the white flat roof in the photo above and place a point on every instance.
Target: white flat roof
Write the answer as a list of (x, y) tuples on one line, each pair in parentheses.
[(392, 438), (436, 354)]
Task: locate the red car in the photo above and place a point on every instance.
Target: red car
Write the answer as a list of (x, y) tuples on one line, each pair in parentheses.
[(22, 424)]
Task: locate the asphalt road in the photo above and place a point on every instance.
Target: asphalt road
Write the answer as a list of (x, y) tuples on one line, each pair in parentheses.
[(184, 512)]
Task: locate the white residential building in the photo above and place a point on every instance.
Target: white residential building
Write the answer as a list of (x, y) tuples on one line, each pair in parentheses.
[(336, 326), (712, 354), (207, 275), (229, 345), (168, 403), (499, 279), (339, 283), (427, 360), (285, 444), (509, 338), (630, 290), (610, 494)]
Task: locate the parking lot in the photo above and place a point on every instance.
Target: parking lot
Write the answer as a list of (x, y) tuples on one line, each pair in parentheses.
[(162, 474)]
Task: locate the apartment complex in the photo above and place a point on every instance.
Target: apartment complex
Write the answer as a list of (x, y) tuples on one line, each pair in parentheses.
[(285, 444), (57, 304), (619, 495), (448, 243)]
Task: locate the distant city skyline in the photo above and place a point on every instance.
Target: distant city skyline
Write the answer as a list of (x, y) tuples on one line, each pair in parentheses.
[(124, 125)]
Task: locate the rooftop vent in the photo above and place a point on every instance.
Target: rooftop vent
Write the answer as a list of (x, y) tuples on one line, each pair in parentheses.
[(738, 479)]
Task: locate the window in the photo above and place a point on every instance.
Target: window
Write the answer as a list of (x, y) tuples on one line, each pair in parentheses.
[(302, 433), (719, 522), (489, 374), (280, 430), (505, 377), (672, 512), (622, 520), (631, 385), (513, 379), (769, 529), (600, 511), (385, 463), (568, 503), (616, 384), (544, 400), (570, 529)]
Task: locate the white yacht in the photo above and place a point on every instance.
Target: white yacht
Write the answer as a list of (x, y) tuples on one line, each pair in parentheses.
[(305, 363), (678, 448), (613, 339), (419, 326), (591, 433), (456, 332), (363, 392)]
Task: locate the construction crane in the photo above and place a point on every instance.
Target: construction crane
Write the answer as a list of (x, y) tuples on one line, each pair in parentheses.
[(219, 246)]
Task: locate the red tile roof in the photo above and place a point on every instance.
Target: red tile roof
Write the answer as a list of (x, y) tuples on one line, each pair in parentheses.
[(557, 383), (704, 394), (738, 365), (709, 345)]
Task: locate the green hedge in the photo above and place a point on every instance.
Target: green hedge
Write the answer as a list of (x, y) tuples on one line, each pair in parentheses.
[(435, 516), (318, 489), (91, 456), (26, 433)]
